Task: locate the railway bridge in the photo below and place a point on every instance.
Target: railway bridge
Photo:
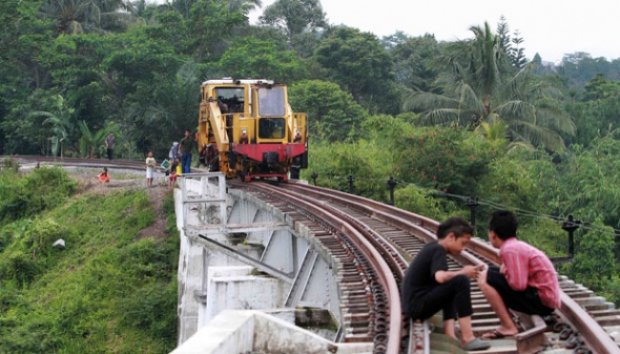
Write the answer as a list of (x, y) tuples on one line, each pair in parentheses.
[(289, 268), (293, 268)]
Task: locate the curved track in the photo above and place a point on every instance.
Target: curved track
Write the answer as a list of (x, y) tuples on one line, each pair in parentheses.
[(372, 244), (398, 235)]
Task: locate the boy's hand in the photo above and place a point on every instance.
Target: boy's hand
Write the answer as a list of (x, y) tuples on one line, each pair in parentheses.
[(482, 276), (470, 271)]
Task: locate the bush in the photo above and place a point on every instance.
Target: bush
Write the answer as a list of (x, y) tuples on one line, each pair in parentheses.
[(40, 236), (9, 164), (148, 259), (48, 188), (13, 196), (544, 234), (19, 267), (446, 159), (419, 201), (148, 308), (40, 190), (594, 263)]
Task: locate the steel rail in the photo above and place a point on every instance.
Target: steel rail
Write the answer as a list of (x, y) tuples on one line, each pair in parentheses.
[(594, 334), (80, 162), (384, 271)]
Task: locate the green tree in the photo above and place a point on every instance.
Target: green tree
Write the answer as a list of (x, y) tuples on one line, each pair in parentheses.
[(594, 261), (333, 114), (24, 133), (517, 55), (475, 91), (597, 113), (522, 179), (419, 201), (91, 140), (137, 60), (414, 60), (78, 16), (295, 16), (155, 115), (577, 69), (254, 58), (445, 159), (24, 34), (213, 24), (50, 119), (503, 35), (365, 160), (75, 67), (359, 64), (590, 182)]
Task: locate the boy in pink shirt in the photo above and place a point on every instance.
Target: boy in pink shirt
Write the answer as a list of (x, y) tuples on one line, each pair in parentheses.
[(526, 281)]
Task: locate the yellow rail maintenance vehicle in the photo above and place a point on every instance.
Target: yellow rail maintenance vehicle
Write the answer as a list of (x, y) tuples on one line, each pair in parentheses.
[(247, 129)]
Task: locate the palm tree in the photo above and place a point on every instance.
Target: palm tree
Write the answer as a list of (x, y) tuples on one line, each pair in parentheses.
[(243, 6), (59, 130), (90, 140), (475, 91), (78, 16), (59, 121), (295, 16)]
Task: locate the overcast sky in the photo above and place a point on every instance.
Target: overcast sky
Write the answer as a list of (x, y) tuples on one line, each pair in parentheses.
[(549, 27)]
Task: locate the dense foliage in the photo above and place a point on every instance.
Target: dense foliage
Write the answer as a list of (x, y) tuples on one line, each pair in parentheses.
[(107, 291), (449, 121)]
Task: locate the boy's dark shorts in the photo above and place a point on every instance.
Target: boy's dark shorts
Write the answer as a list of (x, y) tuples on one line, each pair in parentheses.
[(526, 301)]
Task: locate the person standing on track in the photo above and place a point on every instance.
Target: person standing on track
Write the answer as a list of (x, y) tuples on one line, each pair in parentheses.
[(110, 141), (428, 285), (173, 154), (526, 281), (185, 150), (150, 169)]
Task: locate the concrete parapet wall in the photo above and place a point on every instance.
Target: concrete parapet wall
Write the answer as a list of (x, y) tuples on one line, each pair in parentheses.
[(259, 259), (231, 332), (236, 331), (230, 289)]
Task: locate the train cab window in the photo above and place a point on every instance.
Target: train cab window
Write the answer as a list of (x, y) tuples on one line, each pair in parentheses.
[(232, 97), (271, 128), (271, 102)]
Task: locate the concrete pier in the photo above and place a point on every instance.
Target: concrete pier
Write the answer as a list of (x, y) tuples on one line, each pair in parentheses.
[(239, 253)]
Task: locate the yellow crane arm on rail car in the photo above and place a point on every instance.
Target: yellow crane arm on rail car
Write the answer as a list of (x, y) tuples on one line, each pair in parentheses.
[(218, 124)]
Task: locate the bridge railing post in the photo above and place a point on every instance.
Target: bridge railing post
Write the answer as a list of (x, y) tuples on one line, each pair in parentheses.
[(204, 194)]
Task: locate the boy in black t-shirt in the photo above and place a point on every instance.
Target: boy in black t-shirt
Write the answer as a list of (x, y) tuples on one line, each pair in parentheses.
[(429, 286)]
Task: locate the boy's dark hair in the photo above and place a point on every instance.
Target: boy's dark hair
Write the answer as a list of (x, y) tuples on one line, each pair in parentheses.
[(456, 225), (504, 224)]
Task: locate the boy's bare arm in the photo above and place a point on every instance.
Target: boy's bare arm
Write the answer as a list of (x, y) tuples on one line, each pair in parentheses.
[(443, 276)]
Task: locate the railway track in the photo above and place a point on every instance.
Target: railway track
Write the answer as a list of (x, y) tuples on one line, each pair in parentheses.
[(583, 324), (372, 244), (78, 162)]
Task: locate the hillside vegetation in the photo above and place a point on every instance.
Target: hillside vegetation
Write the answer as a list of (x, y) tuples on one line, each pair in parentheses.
[(108, 291), (455, 123)]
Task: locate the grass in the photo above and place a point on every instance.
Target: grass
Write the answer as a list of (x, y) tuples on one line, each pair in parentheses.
[(106, 292)]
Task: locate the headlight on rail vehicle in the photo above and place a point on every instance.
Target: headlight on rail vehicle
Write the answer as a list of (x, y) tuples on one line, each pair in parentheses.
[(244, 135), (297, 135)]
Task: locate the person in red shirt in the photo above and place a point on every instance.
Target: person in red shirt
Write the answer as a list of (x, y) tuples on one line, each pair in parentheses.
[(103, 177), (526, 281)]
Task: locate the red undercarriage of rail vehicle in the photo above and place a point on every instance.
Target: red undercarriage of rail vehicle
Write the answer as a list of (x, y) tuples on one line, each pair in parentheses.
[(246, 129)]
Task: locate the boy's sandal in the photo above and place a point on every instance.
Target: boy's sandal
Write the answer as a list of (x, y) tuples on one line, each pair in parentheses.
[(495, 334), (476, 344)]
